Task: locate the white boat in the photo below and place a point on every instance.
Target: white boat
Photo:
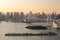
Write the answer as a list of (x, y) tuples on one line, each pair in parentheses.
[(58, 23), (54, 25), (47, 22)]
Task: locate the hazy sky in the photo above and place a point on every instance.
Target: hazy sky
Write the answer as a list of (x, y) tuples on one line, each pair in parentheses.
[(47, 6)]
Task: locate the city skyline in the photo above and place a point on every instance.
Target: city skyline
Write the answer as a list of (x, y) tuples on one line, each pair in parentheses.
[(47, 6)]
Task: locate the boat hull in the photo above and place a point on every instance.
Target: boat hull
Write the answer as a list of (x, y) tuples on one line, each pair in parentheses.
[(36, 27)]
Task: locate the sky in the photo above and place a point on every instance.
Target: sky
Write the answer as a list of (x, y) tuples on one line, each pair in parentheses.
[(47, 6)]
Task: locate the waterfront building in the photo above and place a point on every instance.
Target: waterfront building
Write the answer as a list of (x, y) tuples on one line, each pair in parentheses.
[(7, 16), (22, 16), (16, 16), (58, 16), (1, 16), (29, 16), (11, 15)]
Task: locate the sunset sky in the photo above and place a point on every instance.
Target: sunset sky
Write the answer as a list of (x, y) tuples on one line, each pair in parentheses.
[(48, 6)]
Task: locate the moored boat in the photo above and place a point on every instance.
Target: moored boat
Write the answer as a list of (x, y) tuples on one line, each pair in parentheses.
[(31, 34), (36, 27)]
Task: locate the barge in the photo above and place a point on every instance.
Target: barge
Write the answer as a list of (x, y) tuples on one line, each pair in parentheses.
[(31, 34)]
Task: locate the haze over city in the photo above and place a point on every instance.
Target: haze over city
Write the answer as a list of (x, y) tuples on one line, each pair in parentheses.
[(47, 6)]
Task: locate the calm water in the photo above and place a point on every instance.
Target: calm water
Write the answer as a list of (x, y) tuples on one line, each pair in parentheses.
[(8, 27)]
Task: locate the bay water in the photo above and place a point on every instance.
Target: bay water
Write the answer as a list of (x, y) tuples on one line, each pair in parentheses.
[(11, 27)]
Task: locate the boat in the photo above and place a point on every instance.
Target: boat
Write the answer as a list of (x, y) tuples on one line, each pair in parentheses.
[(54, 25), (36, 27), (41, 25), (31, 34), (58, 23)]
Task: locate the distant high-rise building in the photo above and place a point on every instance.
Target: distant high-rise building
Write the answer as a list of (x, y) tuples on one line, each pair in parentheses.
[(53, 15), (11, 15), (16, 16), (0, 15), (43, 13), (22, 16), (8, 14), (30, 14)]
